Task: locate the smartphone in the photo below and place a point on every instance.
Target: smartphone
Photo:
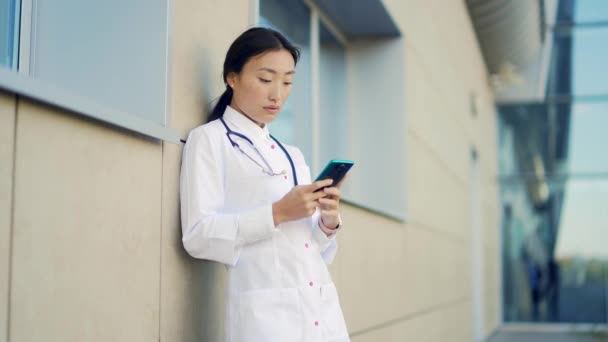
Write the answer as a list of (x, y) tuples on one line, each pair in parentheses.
[(336, 169)]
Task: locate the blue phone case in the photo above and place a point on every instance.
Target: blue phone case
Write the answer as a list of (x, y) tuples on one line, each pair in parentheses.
[(336, 169)]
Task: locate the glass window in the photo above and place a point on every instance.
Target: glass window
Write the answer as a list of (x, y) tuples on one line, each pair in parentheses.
[(9, 33), (589, 56), (554, 181), (582, 50), (377, 109), (112, 52), (353, 110), (554, 189), (332, 84), (565, 138), (294, 125), (588, 139), (555, 256), (591, 10), (589, 52)]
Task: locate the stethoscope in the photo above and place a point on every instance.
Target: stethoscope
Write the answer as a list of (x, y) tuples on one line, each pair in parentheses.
[(265, 168)]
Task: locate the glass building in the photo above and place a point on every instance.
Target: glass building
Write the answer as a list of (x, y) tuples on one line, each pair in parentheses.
[(554, 179)]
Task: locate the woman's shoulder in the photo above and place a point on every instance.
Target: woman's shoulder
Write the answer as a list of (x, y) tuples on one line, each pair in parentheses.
[(205, 131), (205, 138)]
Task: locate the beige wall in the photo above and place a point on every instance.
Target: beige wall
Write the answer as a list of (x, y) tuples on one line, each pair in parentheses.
[(86, 228), (7, 136), (96, 241), (413, 280)]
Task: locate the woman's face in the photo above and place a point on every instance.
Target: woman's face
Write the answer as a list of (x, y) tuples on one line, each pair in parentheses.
[(262, 87)]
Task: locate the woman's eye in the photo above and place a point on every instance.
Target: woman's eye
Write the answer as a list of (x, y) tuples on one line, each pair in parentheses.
[(263, 80), (287, 83)]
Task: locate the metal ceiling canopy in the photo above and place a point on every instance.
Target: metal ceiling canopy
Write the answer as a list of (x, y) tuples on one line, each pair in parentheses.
[(516, 45), (359, 19), (509, 31)]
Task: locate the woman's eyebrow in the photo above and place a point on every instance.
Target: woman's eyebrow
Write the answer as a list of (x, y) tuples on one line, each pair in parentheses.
[(272, 71)]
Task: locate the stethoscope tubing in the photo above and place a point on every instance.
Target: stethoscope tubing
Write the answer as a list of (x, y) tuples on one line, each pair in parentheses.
[(269, 170)]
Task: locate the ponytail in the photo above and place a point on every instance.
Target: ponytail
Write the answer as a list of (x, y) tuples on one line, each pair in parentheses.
[(220, 106)]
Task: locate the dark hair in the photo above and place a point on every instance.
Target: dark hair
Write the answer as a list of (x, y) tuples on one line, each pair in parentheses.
[(250, 43)]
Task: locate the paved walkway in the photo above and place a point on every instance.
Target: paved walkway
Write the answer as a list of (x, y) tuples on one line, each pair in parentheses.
[(548, 337)]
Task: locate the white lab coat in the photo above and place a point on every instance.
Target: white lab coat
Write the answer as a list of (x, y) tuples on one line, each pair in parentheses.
[(279, 288)]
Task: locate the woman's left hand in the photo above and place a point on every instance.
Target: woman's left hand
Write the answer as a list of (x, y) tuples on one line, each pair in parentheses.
[(330, 205)]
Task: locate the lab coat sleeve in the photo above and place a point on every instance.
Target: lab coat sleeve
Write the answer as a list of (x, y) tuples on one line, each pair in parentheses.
[(207, 233), (328, 246)]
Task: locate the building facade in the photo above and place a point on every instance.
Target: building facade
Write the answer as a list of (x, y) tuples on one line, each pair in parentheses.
[(94, 102)]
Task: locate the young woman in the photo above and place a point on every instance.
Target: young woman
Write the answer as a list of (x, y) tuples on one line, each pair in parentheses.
[(247, 201)]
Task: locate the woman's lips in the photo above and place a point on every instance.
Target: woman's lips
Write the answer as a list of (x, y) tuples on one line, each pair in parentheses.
[(272, 109)]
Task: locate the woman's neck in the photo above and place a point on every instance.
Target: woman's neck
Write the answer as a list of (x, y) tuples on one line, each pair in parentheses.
[(235, 107)]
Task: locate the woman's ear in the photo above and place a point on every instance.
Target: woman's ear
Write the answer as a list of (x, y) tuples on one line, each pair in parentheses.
[(231, 79)]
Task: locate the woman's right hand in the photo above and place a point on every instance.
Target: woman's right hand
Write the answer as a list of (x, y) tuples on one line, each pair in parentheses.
[(300, 202)]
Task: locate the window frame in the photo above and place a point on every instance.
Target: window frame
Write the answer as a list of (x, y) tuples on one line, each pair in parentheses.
[(20, 82)]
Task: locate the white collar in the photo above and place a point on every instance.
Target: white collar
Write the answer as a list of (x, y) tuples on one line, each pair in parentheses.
[(242, 124)]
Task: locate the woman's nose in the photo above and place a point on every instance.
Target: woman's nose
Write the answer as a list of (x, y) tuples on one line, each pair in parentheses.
[(275, 93)]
